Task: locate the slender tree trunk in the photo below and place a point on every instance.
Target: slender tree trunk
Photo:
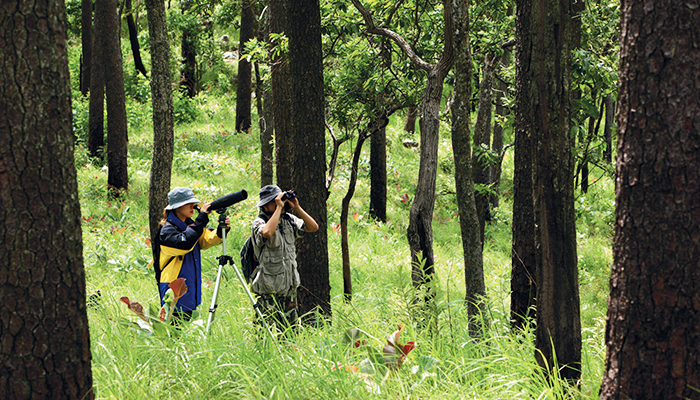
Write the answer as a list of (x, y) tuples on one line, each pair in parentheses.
[(281, 98), (134, 39), (653, 321), (188, 78), (607, 130), (86, 41), (117, 140), (163, 125), (377, 160), (243, 90), (344, 210), (461, 145), (482, 136), (45, 346), (410, 124), (309, 147), (96, 135), (265, 113), (501, 112), (547, 81)]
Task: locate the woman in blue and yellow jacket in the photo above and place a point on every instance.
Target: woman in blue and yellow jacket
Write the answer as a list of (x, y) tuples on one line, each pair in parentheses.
[(180, 239)]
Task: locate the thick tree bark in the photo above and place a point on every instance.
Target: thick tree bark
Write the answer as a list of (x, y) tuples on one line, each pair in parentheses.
[(107, 38), (544, 30), (134, 39), (653, 323), (309, 148), (377, 161), (245, 74), (163, 125), (281, 98), (461, 145), (86, 42), (44, 336)]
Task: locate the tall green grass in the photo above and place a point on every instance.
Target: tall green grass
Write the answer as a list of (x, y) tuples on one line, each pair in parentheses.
[(237, 360)]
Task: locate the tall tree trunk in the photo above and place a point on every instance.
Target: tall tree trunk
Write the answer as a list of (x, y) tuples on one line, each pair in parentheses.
[(344, 211), (546, 26), (243, 90), (501, 112), (653, 322), (86, 42), (309, 148), (264, 104), (96, 134), (134, 39), (107, 24), (163, 125), (377, 160), (461, 145), (482, 136), (265, 112), (420, 230), (281, 98), (188, 78), (45, 346), (607, 130)]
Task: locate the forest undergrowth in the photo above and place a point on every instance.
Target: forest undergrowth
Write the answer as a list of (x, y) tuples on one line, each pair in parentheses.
[(237, 359)]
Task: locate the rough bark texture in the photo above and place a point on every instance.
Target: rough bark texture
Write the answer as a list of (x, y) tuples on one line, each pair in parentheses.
[(377, 161), (44, 335), (653, 324), (161, 93), (245, 72), (86, 42), (281, 99), (134, 39), (461, 145), (265, 120), (547, 82), (107, 24), (309, 147), (410, 123)]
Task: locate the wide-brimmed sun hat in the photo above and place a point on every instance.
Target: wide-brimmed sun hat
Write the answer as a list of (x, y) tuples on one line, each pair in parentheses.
[(267, 194), (180, 196)]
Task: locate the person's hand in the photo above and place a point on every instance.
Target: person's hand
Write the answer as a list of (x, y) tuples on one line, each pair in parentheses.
[(205, 208), (279, 201), (294, 202), (228, 223)]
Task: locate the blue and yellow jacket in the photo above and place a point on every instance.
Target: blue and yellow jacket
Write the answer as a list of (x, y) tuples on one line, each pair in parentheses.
[(180, 245)]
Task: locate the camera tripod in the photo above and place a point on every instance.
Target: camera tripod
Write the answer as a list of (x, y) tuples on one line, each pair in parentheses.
[(223, 260)]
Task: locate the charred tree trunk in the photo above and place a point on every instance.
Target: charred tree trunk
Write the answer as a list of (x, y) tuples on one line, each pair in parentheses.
[(163, 124), (544, 31), (243, 90), (107, 20), (377, 161), (45, 346), (653, 322), (309, 148), (466, 203), (134, 39), (86, 41)]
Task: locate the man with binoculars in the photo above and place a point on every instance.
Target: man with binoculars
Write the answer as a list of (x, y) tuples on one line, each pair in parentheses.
[(274, 232)]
